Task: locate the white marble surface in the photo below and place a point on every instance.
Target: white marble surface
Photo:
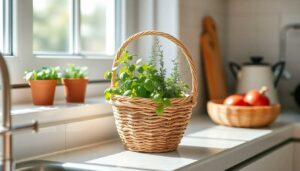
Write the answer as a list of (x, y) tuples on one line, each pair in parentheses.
[(205, 146)]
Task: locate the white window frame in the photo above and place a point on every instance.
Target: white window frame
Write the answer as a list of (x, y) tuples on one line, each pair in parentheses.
[(7, 32)]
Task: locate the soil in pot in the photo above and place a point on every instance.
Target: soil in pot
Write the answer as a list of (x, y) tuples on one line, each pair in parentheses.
[(43, 91), (75, 90)]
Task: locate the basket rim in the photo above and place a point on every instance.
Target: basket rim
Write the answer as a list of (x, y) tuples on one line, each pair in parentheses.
[(139, 102), (187, 95), (219, 104)]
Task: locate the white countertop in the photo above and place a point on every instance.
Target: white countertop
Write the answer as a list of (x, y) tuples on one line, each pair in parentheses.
[(205, 146)]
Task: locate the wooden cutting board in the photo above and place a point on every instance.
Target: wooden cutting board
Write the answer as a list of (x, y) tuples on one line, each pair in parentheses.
[(212, 60)]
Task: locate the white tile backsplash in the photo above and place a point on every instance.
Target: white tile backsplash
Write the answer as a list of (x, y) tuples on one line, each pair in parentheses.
[(264, 7), (240, 7), (289, 6)]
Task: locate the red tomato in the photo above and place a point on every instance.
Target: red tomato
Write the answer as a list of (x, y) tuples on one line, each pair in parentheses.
[(235, 100), (256, 98)]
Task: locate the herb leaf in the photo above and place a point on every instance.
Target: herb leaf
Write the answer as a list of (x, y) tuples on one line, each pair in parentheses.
[(74, 72), (45, 73)]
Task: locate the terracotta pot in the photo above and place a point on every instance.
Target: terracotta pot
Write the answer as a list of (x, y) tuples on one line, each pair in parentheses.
[(43, 91), (75, 90)]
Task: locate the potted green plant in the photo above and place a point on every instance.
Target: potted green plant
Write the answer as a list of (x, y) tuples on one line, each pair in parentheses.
[(151, 108), (43, 83), (75, 83)]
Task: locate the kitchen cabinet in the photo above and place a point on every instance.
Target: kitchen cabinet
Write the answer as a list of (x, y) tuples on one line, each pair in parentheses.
[(283, 158), (296, 156)]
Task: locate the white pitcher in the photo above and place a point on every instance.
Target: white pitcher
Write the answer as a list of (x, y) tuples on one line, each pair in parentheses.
[(255, 74)]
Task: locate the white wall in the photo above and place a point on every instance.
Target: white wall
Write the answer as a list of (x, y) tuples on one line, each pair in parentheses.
[(253, 29), (190, 17)]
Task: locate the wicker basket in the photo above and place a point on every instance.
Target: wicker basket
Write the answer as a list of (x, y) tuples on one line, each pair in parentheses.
[(242, 116), (137, 123)]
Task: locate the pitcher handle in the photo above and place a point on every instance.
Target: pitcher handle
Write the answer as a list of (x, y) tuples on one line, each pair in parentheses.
[(281, 66), (234, 68)]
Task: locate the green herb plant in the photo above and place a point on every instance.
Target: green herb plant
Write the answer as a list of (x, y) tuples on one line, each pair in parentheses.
[(45, 73), (74, 72), (149, 80)]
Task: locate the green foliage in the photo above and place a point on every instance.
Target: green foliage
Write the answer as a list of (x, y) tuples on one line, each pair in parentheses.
[(154, 52), (74, 72), (175, 71), (145, 80), (174, 84), (162, 70), (45, 73)]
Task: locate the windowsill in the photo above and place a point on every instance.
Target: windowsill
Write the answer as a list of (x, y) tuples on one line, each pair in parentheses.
[(61, 112), (9, 56)]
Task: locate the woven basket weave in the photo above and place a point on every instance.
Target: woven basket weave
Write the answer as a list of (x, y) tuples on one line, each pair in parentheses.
[(137, 123)]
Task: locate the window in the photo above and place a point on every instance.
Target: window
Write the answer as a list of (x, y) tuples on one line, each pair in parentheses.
[(5, 27), (58, 33), (1, 26), (74, 27)]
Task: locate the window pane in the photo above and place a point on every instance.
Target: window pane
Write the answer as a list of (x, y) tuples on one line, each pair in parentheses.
[(51, 25), (1, 25), (5, 26), (98, 26)]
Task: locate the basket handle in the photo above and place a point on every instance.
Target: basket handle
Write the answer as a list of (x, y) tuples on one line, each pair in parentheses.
[(194, 90)]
